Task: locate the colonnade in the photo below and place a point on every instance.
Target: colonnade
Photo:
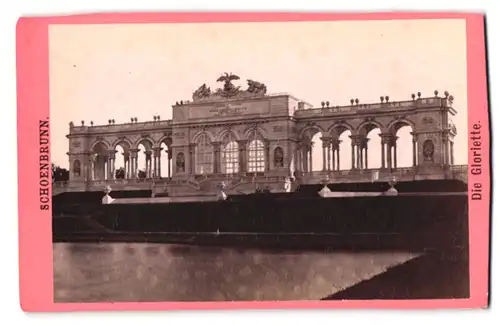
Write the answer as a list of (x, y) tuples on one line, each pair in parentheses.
[(359, 153), (102, 164)]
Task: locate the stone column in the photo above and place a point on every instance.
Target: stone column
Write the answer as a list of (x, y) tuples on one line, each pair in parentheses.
[(148, 163), (452, 155), (325, 143), (191, 159), (447, 150), (414, 142), (329, 155), (336, 154), (298, 160), (366, 152), (157, 162), (395, 153), (111, 164), (217, 157), (382, 153), (305, 158), (90, 169), (353, 155), (242, 155), (126, 164), (133, 162), (267, 155), (169, 162), (389, 154), (310, 162)]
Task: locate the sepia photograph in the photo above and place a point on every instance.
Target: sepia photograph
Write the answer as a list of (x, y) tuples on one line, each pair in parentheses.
[(260, 161)]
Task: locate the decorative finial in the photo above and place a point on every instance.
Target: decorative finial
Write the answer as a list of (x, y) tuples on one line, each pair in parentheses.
[(436, 93), (352, 101), (413, 96), (182, 103), (109, 121), (446, 94), (419, 94), (71, 124), (83, 122), (131, 120), (154, 118), (135, 119), (327, 104), (381, 99), (357, 101), (176, 103), (387, 99), (451, 98), (158, 117), (91, 123), (322, 104)]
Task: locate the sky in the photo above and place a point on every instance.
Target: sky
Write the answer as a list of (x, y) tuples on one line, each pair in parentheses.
[(102, 72)]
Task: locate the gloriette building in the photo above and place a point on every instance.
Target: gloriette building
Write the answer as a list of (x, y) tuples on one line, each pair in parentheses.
[(247, 138)]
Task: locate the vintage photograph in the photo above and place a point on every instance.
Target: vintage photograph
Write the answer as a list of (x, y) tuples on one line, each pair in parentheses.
[(259, 161)]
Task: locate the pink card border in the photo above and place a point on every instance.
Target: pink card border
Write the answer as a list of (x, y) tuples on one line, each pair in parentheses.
[(35, 236)]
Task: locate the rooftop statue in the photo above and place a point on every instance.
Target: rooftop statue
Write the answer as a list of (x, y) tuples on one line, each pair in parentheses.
[(229, 90), (202, 92), (255, 87)]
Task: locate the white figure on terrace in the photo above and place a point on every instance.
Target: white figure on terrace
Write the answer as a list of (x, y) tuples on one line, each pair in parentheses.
[(288, 185), (107, 199), (221, 195)]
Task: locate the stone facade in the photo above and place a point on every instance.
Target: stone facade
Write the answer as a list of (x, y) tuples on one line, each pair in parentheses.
[(248, 138)]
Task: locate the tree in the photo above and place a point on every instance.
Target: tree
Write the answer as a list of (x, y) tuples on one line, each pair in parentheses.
[(120, 173), (141, 174), (59, 174)]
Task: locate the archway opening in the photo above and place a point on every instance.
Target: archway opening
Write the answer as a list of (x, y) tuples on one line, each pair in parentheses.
[(345, 150), (141, 161), (256, 152), (404, 146), (204, 162), (165, 160), (119, 166), (99, 161), (229, 154), (374, 148), (316, 151), (145, 159)]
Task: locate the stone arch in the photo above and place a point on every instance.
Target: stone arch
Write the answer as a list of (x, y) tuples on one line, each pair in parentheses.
[(196, 137), (250, 133), (125, 143), (100, 146), (336, 130), (367, 126), (310, 131), (167, 140), (147, 142), (396, 124), (225, 133)]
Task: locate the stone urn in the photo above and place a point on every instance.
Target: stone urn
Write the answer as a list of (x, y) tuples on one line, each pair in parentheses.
[(392, 191)]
